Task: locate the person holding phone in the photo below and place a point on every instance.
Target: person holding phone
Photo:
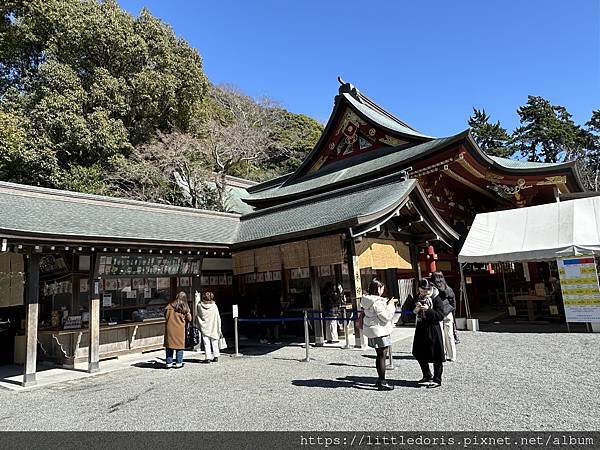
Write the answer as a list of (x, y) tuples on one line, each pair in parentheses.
[(428, 344), (377, 327)]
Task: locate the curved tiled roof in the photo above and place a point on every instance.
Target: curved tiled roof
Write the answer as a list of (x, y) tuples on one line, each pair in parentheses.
[(356, 167), (519, 164), (324, 212), (380, 117)]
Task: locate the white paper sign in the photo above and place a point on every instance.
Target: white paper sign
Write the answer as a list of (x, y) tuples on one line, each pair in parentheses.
[(235, 311), (107, 299), (580, 290)]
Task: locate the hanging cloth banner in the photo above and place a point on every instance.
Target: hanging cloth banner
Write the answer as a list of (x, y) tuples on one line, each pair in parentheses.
[(243, 262), (295, 255), (12, 279), (326, 251), (382, 254), (268, 259), (580, 290)]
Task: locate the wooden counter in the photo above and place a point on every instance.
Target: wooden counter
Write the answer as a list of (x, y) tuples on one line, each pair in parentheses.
[(70, 347)]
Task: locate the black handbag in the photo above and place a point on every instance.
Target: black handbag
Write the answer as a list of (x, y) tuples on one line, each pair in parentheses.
[(447, 308), (192, 336)]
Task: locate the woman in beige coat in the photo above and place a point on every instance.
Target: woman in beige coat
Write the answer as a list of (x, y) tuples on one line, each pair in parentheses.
[(176, 314), (209, 322)]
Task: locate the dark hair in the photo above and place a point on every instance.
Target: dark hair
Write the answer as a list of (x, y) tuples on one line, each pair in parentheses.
[(374, 286), (179, 303), (208, 296), (438, 280)]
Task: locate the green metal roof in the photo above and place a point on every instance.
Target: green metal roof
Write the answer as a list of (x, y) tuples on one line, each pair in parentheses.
[(325, 212), (347, 169), (381, 117), (519, 164), (27, 210)]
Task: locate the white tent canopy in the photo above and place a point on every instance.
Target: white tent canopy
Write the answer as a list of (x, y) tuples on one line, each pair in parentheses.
[(535, 233)]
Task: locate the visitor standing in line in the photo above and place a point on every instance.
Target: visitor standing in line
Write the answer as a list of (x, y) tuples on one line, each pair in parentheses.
[(377, 327), (177, 313), (428, 344), (329, 304), (448, 327), (209, 323)]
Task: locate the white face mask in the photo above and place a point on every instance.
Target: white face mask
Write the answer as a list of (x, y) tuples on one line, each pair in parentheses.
[(425, 292)]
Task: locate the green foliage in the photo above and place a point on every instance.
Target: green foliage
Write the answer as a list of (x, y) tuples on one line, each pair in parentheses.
[(491, 137), (547, 132), (297, 134), (90, 180), (93, 82)]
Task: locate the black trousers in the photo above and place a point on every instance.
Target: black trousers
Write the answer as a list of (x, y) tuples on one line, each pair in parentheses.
[(438, 368)]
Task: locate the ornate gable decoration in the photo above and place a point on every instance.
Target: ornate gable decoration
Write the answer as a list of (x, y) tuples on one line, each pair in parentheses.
[(353, 136)]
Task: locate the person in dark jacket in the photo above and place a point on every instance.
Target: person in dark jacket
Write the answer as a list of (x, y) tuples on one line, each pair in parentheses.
[(448, 328), (446, 293), (428, 344)]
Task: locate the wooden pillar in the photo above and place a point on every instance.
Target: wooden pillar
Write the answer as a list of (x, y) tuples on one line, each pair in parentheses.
[(355, 288), (414, 261), (391, 283), (198, 287), (316, 304), (94, 310), (32, 311)]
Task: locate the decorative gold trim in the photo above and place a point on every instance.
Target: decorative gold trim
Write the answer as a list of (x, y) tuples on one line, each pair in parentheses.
[(473, 186), (392, 141), (561, 179)]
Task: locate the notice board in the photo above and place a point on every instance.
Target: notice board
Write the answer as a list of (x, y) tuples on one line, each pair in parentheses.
[(580, 290)]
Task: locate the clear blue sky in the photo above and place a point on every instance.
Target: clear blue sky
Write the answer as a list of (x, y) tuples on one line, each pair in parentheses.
[(428, 62)]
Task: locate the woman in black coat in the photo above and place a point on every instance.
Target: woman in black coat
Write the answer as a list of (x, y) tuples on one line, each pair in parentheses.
[(428, 344)]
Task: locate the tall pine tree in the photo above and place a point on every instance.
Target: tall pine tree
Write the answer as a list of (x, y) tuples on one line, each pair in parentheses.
[(547, 132), (491, 137)]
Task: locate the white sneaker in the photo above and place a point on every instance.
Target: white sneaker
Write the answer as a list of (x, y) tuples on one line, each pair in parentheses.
[(168, 366)]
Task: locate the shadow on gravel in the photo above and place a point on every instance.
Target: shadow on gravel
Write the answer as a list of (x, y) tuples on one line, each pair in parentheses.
[(149, 365), (532, 328), (352, 381), (395, 356), (348, 365), (337, 383)]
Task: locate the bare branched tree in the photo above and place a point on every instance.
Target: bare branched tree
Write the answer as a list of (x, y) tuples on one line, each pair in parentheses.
[(238, 132), (173, 169)]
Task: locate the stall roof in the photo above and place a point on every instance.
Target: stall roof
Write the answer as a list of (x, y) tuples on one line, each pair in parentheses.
[(535, 233), (54, 214)]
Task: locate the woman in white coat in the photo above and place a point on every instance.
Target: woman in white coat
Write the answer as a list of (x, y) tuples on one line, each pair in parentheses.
[(209, 323), (377, 327)]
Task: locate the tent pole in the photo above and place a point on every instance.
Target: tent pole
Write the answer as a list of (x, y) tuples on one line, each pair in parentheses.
[(463, 291), (504, 284)]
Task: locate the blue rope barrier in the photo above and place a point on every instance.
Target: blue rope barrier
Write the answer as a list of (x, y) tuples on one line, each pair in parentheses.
[(269, 319)]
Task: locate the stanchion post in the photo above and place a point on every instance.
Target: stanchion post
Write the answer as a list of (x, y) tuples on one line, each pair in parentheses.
[(306, 337), (235, 330), (346, 327), (391, 356)]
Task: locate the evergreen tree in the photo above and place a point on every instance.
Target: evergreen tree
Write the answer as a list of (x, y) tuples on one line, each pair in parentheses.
[(492, 138), (89, 82), (547, 132)]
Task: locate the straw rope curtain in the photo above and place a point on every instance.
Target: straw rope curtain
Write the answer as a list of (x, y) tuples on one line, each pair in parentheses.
[(295, 255), (383, 254), (268, 259), (363, 251), (326, 251), (12, 279), (243, 262)]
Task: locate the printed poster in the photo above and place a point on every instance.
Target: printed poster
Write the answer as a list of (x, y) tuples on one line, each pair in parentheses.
[(580, 290)]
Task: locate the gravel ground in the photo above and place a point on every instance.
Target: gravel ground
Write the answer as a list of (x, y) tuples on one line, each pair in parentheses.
[(502, 381)]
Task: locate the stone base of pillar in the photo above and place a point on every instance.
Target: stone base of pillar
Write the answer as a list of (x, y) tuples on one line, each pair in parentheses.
[(93, 367), (29, 379)]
